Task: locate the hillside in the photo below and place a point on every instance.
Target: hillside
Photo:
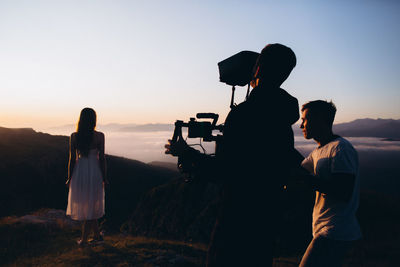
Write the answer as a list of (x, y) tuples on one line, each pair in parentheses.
[(177, 210), (169, 220), (187, 211), (167, 165), (33, 170)]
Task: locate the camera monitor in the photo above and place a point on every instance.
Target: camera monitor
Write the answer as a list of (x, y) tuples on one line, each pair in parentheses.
[(237, 70)]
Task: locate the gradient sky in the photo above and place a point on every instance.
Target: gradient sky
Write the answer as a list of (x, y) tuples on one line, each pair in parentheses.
[(156, 61)]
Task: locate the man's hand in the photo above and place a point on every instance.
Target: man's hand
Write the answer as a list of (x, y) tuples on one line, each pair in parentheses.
[(299, 178), (176, 148), (299, 174)]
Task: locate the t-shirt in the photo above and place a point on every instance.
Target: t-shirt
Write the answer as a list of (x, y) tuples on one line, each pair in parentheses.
[(333, 218)]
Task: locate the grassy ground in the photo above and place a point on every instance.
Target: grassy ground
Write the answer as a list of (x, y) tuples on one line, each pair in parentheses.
[(54, 244), (35, 245), (25, 244)]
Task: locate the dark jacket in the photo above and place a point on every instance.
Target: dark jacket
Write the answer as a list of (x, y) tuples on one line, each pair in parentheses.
[(258, 139), (254, 162)]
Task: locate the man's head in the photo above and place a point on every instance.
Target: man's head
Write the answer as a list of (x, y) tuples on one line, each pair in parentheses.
[(317, 118), (275, 63)]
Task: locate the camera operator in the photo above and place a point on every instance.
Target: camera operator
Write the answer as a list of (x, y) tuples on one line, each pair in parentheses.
[(252, 164)]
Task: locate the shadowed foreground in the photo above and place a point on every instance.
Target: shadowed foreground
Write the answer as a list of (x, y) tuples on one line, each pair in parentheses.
[(48, 238), (36, 241)]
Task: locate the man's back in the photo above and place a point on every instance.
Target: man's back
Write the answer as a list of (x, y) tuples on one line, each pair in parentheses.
[(258, 137), (258, 141), (257, 151)]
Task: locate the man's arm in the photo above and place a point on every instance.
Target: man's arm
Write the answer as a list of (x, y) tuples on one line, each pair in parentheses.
[(201, 164), (339, 185)]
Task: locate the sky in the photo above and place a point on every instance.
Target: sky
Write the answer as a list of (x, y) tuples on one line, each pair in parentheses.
[(156, 61)]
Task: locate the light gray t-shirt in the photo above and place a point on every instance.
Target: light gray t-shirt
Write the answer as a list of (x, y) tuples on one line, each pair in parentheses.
[(333, 218)]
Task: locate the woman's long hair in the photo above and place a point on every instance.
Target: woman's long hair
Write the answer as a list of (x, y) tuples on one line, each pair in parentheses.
[(85, 129)]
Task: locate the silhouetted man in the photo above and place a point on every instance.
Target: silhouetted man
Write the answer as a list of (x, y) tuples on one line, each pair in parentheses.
[(252, 165), (334, 168)]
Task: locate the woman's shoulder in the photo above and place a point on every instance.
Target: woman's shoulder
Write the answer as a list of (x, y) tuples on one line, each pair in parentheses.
[(98, 133)]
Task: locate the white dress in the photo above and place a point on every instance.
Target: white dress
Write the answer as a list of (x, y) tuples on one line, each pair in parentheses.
[(86, 192)]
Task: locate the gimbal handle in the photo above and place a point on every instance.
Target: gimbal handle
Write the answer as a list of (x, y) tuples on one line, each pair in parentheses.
[(178, 130)]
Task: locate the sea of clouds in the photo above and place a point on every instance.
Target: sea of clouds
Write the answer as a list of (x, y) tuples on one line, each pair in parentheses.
[(149, 146)]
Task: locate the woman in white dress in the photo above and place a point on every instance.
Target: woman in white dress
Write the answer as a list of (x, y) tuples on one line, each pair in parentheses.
[(86, 175)]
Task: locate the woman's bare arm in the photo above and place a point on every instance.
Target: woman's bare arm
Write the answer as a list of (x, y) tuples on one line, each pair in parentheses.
[(102, 158), (72, 157)]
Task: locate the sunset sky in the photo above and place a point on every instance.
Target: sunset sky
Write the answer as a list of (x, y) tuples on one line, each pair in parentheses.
[(156, 61)]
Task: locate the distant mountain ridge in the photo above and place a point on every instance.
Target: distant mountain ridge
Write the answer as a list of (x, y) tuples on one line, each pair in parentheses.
[(119, 127), (382, 128)]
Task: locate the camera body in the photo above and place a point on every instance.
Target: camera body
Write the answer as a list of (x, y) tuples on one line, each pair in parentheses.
[(199, 129)]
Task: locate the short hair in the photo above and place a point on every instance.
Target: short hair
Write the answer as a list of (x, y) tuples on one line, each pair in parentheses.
[(323, 109), (281, 57)]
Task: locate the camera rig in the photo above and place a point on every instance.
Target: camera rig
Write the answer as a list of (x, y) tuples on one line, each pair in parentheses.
[(199, 129), (237, 70)]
